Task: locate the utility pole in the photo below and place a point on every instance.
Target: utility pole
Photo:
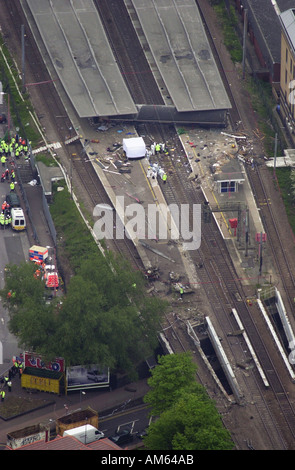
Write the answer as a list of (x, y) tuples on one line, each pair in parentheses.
[(247, 232), (275, 155), (244, 41), (23, 58), (260, 254)]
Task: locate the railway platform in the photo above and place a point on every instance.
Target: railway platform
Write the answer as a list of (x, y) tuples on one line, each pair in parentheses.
[(131, 189), (209, 153), (101, 149)]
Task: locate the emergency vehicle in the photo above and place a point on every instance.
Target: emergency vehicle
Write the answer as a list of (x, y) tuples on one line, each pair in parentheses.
[(51, 279), (48, 272), (18, 221)]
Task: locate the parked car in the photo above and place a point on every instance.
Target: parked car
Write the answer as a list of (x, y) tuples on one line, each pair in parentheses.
[(13, 200), (122, 437)]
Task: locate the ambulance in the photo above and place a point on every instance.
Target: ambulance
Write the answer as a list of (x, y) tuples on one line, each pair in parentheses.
[(18, 221)]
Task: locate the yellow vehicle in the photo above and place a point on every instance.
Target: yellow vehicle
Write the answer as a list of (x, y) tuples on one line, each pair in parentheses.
[(18, 221)]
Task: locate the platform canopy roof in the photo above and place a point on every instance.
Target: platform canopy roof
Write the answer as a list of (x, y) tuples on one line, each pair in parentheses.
[(181, 50), (82, 57)]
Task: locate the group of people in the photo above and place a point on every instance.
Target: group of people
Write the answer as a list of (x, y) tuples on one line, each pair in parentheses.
[(159, 148), (5, 215), (8, 176), (155, 170), (6, 381), (16, 147)]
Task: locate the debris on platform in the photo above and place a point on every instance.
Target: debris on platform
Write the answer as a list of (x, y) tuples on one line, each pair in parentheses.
[(174, 277), (186, 290), (152, 273)]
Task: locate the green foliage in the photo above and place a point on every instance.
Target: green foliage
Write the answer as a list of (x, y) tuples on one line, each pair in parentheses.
[(192, 423), (103, 319), (263, 103), (72, 230), (188, 418), (115, 321), (20, 106), (31, 318), (285, 180), (228, 24), (172, 374), (47, 159)]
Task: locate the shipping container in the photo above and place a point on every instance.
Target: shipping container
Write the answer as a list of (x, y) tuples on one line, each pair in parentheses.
[(24, 436), (43, 380), (76, 419)]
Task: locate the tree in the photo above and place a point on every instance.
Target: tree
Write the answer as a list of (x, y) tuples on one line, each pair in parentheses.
[(187, 417), (114, 319), (192, 423), (31, 318), (173, 373), (105, 317)]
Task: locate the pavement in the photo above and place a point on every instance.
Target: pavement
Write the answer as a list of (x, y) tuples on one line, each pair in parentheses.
[(104, 402)]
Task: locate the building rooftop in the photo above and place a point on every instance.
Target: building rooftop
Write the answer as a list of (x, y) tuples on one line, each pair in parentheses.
[(71, 443), (288, 21), (82, 57), (265, 15), (180, 48)]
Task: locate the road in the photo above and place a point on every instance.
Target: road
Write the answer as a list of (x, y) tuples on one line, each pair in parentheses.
[(134, 419), (14, 248)]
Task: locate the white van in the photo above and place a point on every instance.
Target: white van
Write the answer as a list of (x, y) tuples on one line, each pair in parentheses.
[(85, 434), (18, 221)]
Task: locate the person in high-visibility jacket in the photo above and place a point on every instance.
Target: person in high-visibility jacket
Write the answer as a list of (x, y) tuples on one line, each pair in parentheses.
[(164, 178), (3, 160), (181, 291), (12, 186), (2, 219)]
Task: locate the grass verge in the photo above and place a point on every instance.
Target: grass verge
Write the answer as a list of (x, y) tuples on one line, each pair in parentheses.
[(14, 406), (283, 176), (75, 242), (229, 23)]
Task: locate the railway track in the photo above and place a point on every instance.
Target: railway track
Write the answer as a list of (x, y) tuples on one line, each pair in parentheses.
[(218, 273), (279, 256), (75, 161), (273, 231)]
